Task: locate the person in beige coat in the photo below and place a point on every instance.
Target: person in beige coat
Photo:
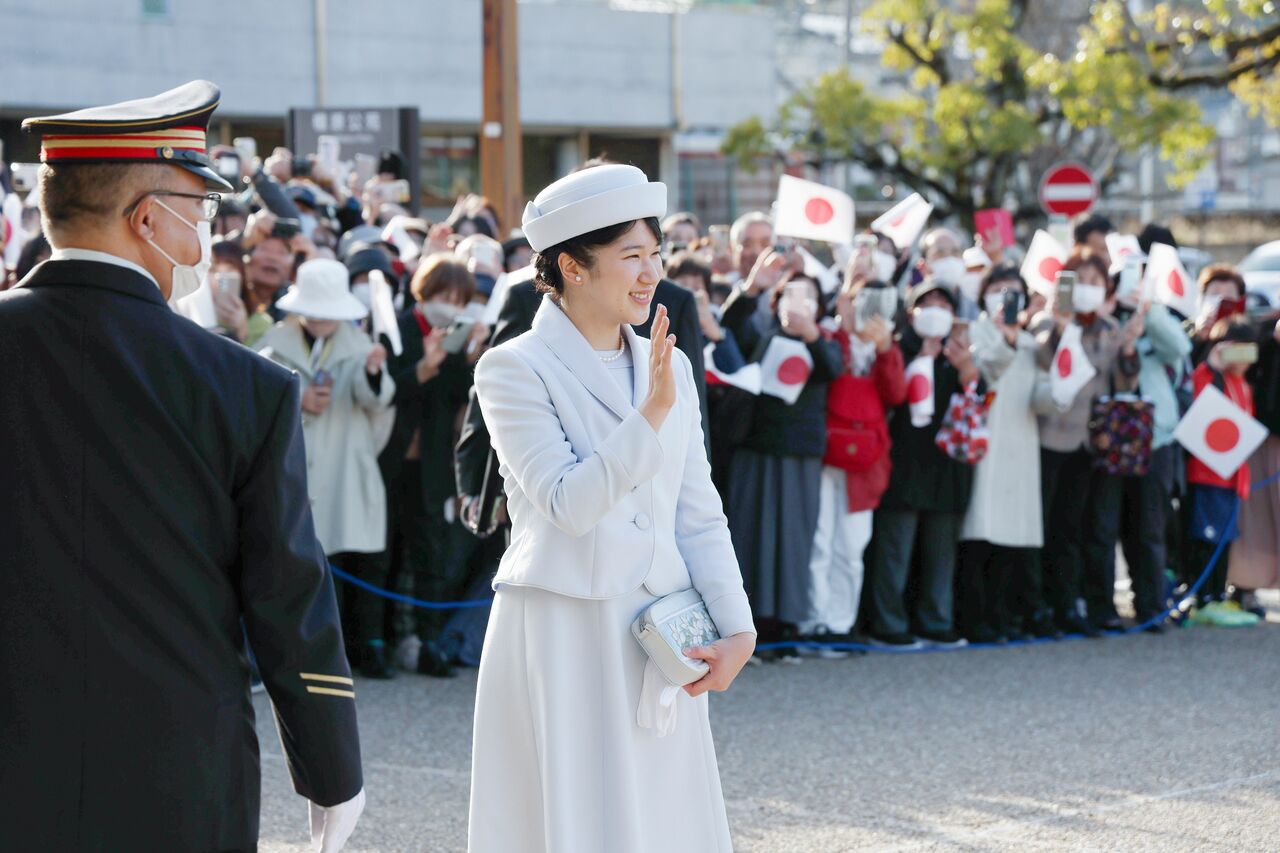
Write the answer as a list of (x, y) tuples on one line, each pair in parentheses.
[(345, 385), (1003, 528)]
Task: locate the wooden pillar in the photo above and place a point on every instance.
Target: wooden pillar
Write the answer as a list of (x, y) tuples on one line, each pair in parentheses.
[(501, 138)]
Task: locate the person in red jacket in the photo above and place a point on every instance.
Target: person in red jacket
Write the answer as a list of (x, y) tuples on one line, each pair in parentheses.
[(1213, 498), (855, 469)]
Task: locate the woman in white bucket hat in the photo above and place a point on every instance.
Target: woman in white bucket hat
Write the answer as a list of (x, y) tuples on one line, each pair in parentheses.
[(581, 745), (344, 384)]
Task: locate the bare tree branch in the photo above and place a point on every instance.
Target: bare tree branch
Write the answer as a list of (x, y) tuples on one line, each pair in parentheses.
[(898, 35), (1216, 79)]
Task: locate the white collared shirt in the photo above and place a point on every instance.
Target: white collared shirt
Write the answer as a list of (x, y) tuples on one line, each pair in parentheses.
[(102, 258)]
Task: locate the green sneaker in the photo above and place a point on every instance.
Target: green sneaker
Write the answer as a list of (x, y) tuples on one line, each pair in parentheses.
[(1201, 615), (1225, 615)]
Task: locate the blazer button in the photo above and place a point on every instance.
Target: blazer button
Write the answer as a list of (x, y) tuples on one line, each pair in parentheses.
[(642, 521)]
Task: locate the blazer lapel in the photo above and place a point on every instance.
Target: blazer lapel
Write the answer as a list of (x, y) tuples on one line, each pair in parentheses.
[(640, 364), (563, 338)]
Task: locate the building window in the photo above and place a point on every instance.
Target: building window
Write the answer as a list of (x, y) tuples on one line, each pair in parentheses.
[(450, 168)]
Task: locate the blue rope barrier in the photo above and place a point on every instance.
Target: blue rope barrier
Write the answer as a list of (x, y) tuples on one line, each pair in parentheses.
[(860, 647), (405, 599)]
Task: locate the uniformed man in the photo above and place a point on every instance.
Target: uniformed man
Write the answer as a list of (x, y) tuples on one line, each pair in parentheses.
[(152, 497)]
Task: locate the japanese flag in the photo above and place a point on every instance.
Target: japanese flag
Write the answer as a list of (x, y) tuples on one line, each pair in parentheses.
[(382, 311), (812, 211), (1219, 433), (920, 390), (1071, 369), (1167, 280), (785, 368), (1123, 246), (1044, 260), (748, 378), (903, 222)]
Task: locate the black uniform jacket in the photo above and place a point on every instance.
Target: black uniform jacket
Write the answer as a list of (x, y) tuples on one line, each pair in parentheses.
[(516, 318), (152, 496)]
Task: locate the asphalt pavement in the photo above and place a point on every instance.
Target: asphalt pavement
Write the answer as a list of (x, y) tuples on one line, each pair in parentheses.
[(1137, 743)]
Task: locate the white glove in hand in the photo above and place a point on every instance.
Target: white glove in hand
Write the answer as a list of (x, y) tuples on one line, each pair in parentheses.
[(331, 826)]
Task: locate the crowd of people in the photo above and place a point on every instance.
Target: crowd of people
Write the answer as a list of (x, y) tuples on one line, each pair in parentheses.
[(861, 506)]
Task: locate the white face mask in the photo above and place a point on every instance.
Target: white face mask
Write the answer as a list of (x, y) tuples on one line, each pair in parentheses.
[(186, 279), (932, 321), (1088, 298), (994, 305), (885, 264), (440, 314), (970, 284), (950, 270), (361, 292)]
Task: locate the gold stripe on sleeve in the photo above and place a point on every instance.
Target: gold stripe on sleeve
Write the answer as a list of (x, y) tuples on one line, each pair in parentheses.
[(333, 679), (327, 691)]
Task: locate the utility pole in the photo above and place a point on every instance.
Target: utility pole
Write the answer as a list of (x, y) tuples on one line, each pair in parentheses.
[(848, 34), (501, 138)]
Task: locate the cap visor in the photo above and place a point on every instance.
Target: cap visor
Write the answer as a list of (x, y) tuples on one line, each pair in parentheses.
[(212, 179)]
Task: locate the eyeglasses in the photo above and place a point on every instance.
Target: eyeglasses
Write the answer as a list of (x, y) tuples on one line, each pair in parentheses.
[(209, 203)]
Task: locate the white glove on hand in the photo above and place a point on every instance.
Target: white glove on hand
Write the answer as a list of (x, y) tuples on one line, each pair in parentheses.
[(331, 826)]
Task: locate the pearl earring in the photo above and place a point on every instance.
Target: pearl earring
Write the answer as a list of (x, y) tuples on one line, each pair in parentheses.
[(577, 278)]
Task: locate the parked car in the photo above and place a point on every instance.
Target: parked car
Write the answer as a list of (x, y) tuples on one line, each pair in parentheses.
[(1194, 260), (1261, 271)]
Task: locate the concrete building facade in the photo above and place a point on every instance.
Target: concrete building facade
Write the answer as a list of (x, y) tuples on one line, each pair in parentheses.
[(647, 87)]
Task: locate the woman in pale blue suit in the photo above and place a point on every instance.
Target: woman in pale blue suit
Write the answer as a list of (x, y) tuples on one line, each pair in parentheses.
[(580, 745)]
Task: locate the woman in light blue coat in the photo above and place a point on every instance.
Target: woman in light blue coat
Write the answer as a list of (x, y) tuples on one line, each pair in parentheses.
[(580, 744)]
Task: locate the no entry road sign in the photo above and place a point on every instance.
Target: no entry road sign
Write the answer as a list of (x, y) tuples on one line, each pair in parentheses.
[(1068, 189)]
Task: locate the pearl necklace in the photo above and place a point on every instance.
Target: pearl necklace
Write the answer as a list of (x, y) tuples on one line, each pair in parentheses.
[(622, 347)]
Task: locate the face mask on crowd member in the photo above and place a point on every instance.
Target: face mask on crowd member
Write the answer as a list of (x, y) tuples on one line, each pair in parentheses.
[(517, 254), (976, 263), (943, 255), (439, 312), (442, 287), (1003, 296), (360, 290), (886, 265), (932, 321), (931, 308), (995, 299), (1093, 288), (1088, 298)]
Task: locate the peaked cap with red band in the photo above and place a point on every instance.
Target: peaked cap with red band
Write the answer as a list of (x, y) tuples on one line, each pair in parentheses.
[(165, 128)]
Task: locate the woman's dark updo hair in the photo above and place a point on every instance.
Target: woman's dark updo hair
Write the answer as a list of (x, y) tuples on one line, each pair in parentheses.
[(546, 264)]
